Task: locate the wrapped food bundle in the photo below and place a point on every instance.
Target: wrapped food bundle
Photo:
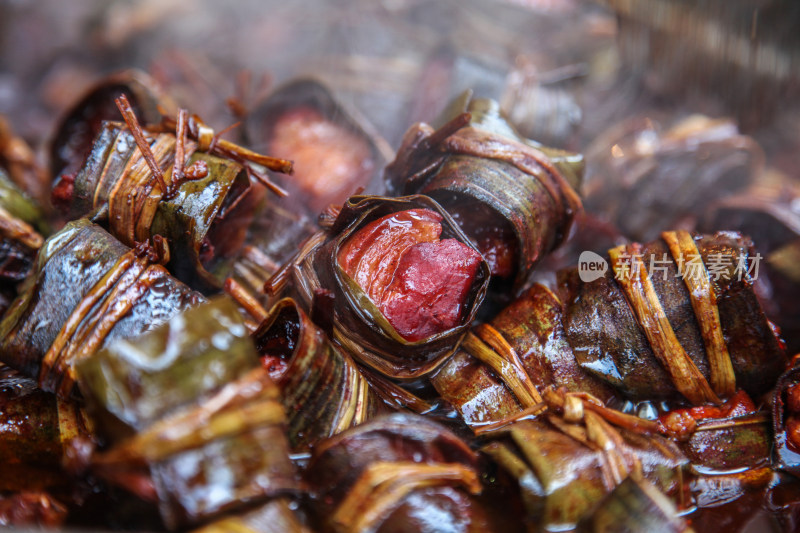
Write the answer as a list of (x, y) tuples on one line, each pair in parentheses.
[(176, 179), (503, 365), (334, 152), (398, 473), (86, 290), (676, 319), (730, 343), (188, 410), (513, 197), (568, 460), (406, 282), (323, 391), (577, 449)]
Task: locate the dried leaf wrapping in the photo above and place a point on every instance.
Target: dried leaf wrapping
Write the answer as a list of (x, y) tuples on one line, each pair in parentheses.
[(530, 327), (635, 506), (562, 474), (389, 470), (334, 149)]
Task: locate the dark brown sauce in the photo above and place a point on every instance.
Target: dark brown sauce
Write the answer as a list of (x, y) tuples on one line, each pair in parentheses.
[(277, 345)]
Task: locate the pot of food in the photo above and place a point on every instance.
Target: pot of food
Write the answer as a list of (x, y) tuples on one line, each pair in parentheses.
[(407, 265)]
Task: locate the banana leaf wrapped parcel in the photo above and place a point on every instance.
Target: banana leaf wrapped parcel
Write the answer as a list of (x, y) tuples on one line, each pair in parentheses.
[(334, 151), (568, 459), (675, 317), (405, 281), (86, 290), (513, 197), (503, 365), (188, 410), (399, 472), (335, 154), (701, 459), (177, 179)]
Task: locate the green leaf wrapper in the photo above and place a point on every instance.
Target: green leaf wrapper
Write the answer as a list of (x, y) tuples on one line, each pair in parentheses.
[(389, 471), (134, 382), (609, 342), (69, 266), (323, 391), (214, 210), (634, 506), (562, 479), (190, 402), (320, 178), (532, 328)]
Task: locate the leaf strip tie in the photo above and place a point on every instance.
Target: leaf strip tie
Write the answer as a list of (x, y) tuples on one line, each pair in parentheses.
[(19, 230), (704, 302), (384, 485), (638, 287), (506, 364), (87, 327), (238, 408)]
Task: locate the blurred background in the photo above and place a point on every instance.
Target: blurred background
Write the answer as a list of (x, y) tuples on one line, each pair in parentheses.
[(564, 70)]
